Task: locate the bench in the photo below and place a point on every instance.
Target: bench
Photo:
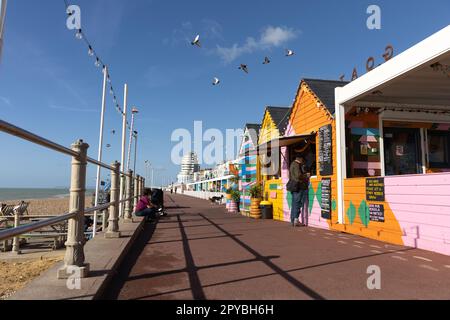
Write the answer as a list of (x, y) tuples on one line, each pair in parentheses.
[(6, 213)]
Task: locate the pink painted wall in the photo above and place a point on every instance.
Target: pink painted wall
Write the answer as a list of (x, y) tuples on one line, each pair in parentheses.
[(421, 204)]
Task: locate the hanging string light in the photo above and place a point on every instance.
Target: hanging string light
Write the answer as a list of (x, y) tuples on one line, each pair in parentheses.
[(80, 35), (439, 67)]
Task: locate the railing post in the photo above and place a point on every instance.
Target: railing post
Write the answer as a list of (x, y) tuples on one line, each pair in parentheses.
[(74, 261), (122, 195), (128, 195), (138, 186), (16, 241), (113, 226), (136, 191)]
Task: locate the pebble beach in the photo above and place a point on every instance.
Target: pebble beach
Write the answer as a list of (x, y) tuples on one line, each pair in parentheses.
[(52, 206)]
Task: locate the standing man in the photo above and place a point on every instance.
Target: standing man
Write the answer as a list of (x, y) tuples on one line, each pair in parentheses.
[(298, 185)]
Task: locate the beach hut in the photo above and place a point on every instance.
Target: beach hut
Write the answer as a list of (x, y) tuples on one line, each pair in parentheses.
[(393, 149), (310, 133), (248, 165), (380, 149), (273, 127)]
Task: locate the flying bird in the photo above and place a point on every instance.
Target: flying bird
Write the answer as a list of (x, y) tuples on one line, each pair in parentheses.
[(266, 60), (216, 81), (108, 146), (244, 68), (289, 53), (113, 132), (196, 41)]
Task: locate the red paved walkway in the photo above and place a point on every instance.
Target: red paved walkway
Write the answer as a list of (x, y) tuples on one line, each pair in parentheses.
[(202, 252)]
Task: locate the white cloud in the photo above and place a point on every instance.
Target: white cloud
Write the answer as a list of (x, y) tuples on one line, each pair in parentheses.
[(6, 101), (212, 30), (208, 30), (277, 36), (70, 109), (270, 37)]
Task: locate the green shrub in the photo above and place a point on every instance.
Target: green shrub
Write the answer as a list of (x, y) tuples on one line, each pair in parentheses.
[(256, 191), (236, 196)]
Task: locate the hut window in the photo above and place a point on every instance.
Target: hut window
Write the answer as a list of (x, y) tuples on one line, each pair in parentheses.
[(439, 149), (403, 154)]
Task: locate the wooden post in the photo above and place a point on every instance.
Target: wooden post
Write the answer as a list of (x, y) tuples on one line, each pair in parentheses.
[(74, 261), (113, 227)]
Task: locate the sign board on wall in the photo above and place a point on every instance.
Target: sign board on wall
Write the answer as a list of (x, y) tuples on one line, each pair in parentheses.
[(326, 150), (375, 189), (376, 212), (326, 199)]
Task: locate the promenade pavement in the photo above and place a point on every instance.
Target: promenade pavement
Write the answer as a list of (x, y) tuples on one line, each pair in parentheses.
[(202, 252)]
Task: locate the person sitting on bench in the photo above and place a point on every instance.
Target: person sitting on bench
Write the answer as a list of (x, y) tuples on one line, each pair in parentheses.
[(145, 207)]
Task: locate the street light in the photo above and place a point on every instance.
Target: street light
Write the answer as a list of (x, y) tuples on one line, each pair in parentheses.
[(147, 165), (2, 22), (134, 112), (100, 146), (124, 142), (135, 149)]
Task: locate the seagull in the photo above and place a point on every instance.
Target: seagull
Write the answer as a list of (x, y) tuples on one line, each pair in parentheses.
[(289, 53), (196, 41), (216, 81), (244, 68), (266, 60)]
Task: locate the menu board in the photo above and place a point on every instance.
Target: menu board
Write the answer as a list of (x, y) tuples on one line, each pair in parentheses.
[(326, 199), (375, 189), (326, 150), (376, 212)]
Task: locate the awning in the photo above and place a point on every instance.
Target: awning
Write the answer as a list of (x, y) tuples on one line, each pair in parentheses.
[(418, 77), (211, 180), (285, 142)]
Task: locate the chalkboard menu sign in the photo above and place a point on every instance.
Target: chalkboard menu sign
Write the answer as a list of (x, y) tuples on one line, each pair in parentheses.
[(326, 150), (375, 189), (376, 212), (326, 199)]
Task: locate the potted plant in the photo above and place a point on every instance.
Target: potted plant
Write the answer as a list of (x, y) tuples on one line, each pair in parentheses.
[(228, 196), (235, 199), (255, 198)]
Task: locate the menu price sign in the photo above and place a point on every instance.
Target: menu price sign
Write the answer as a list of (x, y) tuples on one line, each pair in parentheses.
[(376, 213), (375, 189), (326, 199), (326, 150)]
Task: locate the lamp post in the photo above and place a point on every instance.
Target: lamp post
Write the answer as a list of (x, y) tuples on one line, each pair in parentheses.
[(134, 112), (100, 146), (135, 149), (147, 165), (3, 4), (124, 142)]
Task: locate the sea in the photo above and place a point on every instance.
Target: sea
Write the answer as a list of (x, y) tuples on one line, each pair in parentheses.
[(7, 194)]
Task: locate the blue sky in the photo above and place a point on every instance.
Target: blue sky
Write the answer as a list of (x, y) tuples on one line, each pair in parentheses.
[(50, 86)]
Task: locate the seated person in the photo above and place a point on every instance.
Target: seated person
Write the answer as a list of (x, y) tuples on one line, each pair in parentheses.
[(145, 207)]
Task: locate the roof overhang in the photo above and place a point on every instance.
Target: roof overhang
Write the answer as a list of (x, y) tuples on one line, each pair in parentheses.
[(212, 180), (285, 142), (406, 79)]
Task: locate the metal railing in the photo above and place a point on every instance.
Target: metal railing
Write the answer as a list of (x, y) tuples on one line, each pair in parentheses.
[(74, 258)]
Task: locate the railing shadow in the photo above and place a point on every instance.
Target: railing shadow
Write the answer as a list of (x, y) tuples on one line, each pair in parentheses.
[(127, 265)]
